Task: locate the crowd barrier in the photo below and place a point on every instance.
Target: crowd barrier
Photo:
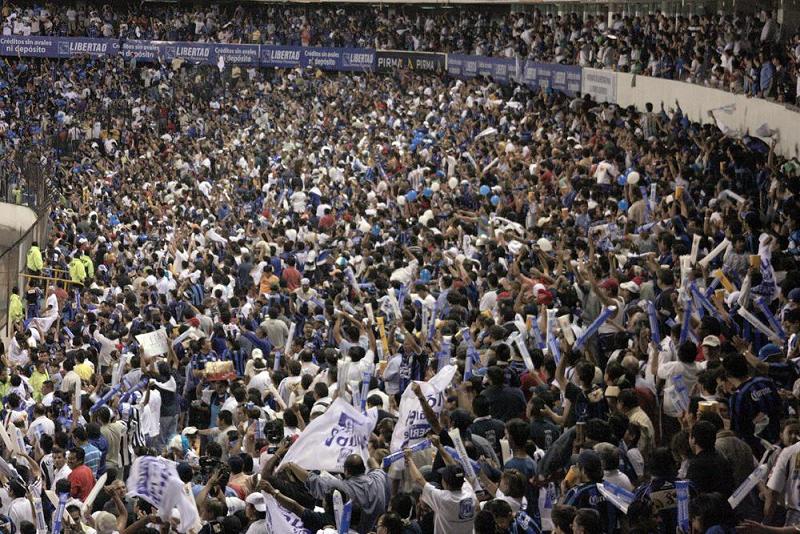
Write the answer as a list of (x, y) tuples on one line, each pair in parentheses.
[(740, 113)]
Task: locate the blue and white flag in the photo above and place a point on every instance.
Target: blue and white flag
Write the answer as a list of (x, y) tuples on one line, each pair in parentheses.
[(279, 519), (156, 480), (328, 440), (412, 425)]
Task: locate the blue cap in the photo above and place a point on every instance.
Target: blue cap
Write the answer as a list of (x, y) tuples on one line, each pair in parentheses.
[(794, 295), (768, 351)]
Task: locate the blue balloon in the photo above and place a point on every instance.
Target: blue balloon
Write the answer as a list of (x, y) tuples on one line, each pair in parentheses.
[(622, 179), (623, 205), (425, 275), (411, 196), (495, 200), (485, 190), (427, 192)]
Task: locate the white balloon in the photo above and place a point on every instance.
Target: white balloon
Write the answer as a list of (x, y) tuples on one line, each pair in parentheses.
[(453, 183), (364, 226), (401, 200), (435, 186)]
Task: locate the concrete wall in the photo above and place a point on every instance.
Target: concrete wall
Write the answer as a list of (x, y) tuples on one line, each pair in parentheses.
[(743, 114)]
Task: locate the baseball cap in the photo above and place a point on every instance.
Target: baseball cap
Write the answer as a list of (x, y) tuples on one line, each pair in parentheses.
[(258, 502), (453, 475), (768, 351), (609, 283), (631, 286), (794, 295), (711, 341)]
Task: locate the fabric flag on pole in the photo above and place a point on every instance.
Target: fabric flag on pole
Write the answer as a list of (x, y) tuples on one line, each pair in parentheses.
[(156, 481), (412, 426), (328, 440), (279, 519)]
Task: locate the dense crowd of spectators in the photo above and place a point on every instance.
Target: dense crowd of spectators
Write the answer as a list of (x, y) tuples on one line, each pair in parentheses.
[(601, 304), (749, 54)]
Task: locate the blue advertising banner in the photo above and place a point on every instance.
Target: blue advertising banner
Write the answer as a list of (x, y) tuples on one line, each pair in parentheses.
[(57, 47), (238, 54), (564, 78), (502, 70)]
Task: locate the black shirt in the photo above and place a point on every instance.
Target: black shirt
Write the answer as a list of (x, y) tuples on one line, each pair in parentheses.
[(710, 472), (493, 430), (505, 403)]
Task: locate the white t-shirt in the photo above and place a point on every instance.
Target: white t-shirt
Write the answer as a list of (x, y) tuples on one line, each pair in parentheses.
[(19, 511), (668, 372), (454, 511), (785, 478)]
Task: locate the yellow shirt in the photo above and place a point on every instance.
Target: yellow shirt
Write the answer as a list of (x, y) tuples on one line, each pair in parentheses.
[(88, 265), (77, 271), (16, 311), (34, 260), (36, 382)]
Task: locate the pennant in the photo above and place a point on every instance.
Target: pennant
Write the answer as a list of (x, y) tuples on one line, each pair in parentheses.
[(411, 425)]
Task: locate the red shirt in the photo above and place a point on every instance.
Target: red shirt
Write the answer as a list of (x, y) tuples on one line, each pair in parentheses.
[(81, 482), (292, 277)]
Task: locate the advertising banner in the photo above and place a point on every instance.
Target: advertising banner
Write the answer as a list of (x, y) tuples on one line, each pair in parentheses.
[(57, 47), (601, 84), (564, 78), (502, 70), (394, 60)]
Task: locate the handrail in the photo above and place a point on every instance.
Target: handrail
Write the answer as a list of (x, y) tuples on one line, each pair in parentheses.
[(51, 279)]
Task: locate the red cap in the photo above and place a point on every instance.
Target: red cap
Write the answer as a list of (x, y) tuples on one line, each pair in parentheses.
[(609, 283)]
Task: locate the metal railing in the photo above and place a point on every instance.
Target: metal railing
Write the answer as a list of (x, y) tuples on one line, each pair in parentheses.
[(25, 179)]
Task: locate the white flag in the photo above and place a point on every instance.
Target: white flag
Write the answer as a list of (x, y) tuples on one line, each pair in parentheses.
[(279, 519), (156, 480), (411, 425), (328, 440)]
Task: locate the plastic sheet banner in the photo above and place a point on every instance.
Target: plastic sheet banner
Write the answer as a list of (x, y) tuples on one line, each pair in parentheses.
[(397, 60)]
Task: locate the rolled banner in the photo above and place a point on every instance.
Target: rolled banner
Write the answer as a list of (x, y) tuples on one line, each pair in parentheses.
[(522, 328), (747, 486), (555, 351), (761, 302), (355, 388), (682, 490), (681, 393), (370, 313), (6, 441), (401, 296), (686, 322), (643, 191), (68, 332), (655, 329), (102, 401), (458, 445), (551, 326), (347, 512), (288, 347), (505, 450), (76, 397), (566, 329), (389, 459), (467, 368), (523, 350), (695, 248), (119, 369), (20, 440), (705, 303), (277, 363), (443, 356), (537, 334), (472, 352), (426, 323), (351, 277), (398, 315), (716, 251), (41, 524), (127, 395), (595, 326), (653, 197), (384, 341), (619, 497), (366, 378), (87, 504), (720, 275), (338, 506), (711, 287), (758, 325), (62, 506), (10, 472)]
